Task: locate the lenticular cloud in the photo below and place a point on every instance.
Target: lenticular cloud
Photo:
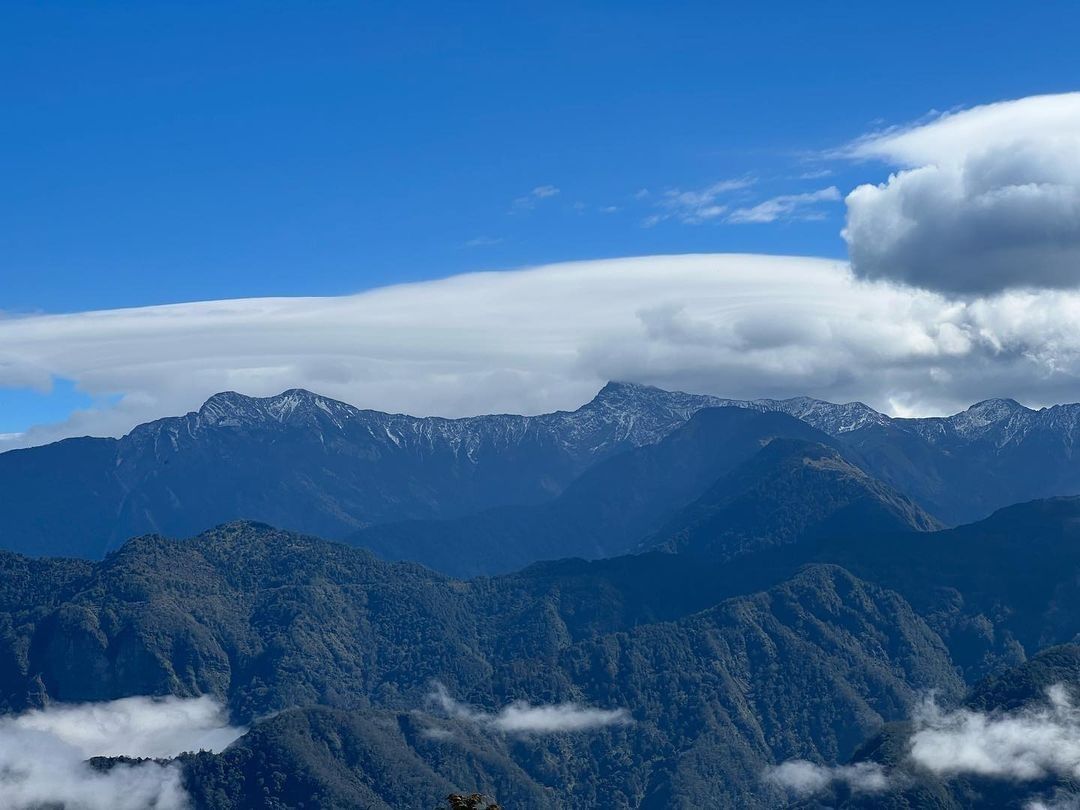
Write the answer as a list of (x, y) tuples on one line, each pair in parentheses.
[(44, 753), (537, 340)]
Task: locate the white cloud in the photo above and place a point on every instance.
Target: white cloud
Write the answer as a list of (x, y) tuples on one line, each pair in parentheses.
[(695, 206), (1060, 800), (815, 174), (1028, 744), (528, 201), (803, 778), (43, 753), (484, 241), (985, 199), (536, 340), (786, 206), (523, 718)]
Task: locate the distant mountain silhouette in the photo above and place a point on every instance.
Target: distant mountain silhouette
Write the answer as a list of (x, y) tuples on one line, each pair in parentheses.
[(312, 464)]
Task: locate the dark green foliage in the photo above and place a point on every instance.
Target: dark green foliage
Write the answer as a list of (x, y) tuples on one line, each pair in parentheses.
[(995, 590), (323, 758), (270, 621), (472, 801), (912, 787)]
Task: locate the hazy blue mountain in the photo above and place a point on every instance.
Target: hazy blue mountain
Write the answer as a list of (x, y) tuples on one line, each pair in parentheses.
[(963, 467), (604, 512), (791, 491), (312, 464), (272, 621)]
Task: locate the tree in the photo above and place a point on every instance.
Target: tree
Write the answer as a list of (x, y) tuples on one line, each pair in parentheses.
[(470, 801)]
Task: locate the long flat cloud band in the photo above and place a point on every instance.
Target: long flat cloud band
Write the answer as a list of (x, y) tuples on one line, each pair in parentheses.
[(545, 338)]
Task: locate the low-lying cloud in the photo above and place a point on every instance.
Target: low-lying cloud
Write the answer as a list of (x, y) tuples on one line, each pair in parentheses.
[(44, 753), (985, 199), (1024, 745), (1028, 744), (803, 778), (530, 341), (521, 717)]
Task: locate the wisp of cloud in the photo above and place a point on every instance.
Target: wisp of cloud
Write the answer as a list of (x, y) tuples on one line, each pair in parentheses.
[(521, 717)]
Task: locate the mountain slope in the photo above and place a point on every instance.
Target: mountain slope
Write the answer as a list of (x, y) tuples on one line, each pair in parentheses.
[(1019, 689), (790, 491), (963, 467), (605, 512), (312, 464), (309, 463), (271, 621), (331, 758), (995, 590)]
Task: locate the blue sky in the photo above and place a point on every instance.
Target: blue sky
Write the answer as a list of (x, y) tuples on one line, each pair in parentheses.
[(166, 152), (169, 152)]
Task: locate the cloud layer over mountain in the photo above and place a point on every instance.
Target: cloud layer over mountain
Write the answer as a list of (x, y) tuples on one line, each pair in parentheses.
[(43, 753), (985, 199), (549, 337)]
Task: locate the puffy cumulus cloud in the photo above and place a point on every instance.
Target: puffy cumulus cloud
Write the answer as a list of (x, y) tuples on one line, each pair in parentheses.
[(803, 778), (985, 199), (43, 753), (523, 718), (545, 338)]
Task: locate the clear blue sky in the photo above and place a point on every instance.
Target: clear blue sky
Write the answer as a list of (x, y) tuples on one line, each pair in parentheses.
[(161, 152), (165, 152)]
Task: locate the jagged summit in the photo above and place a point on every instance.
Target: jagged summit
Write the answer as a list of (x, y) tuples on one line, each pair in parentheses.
[(995, 409), (295, 406)]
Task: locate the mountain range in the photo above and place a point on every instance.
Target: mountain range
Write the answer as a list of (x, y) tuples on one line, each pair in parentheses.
[(308, 463), (721, 668), (673, 598)]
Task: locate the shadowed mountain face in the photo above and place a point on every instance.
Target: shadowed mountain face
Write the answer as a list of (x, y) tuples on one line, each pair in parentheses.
[(791, 491), (312, 464), (605, 512), (994, 590), (268, 620), (963, 467)]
